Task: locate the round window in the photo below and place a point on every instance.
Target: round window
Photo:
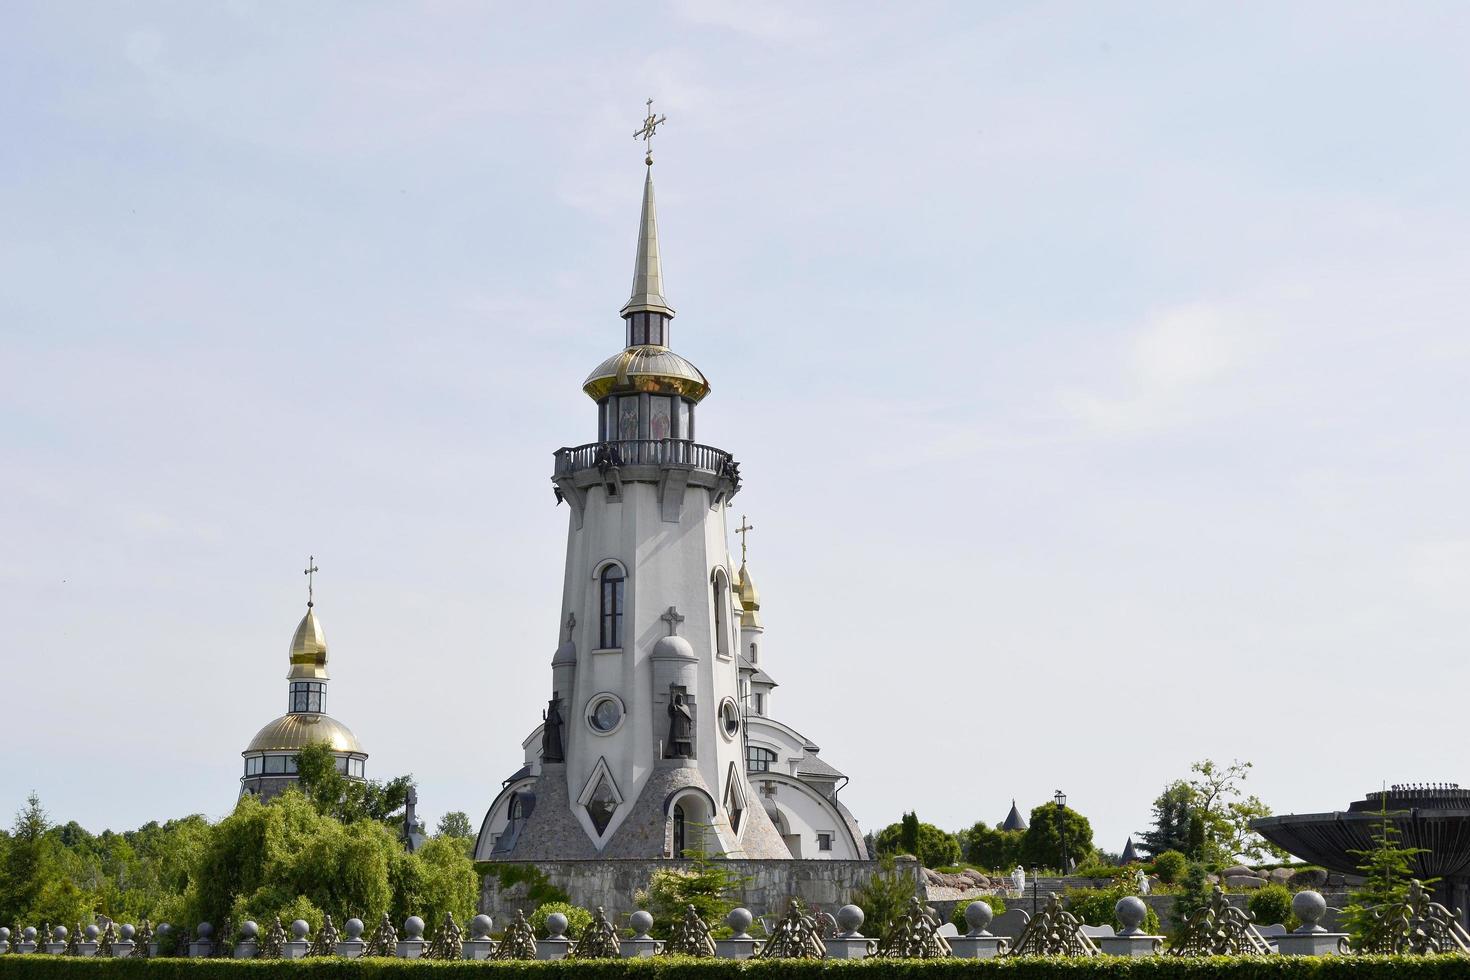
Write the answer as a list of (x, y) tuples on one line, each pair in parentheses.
[(605, 714), (729, 718)]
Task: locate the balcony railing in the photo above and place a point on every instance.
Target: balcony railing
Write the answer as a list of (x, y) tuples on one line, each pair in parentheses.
[(646, 452)]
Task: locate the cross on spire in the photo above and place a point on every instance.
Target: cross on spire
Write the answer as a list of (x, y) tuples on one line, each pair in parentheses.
[(650, 124), (744, 528), (673, 618), (310, 574)]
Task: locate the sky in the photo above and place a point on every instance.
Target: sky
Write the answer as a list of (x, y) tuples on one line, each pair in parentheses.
[(1098, 374)]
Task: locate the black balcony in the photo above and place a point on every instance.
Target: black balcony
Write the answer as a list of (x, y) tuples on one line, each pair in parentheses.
[(646, 452)]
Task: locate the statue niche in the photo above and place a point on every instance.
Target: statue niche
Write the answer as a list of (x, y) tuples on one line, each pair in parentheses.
[(552, 749), (681, 726)]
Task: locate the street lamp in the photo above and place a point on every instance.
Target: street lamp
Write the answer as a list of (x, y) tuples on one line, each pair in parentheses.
[(1060, 799)]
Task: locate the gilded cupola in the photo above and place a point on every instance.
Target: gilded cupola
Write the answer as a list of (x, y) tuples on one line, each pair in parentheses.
[(308, 650)]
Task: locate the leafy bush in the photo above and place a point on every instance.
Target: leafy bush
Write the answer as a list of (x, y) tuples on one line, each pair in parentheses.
[(577, 918), (1093, 868), (708, 884), (1270, 904), (935, 848), (884, 896), (1170, 866), (1095, 906), (997, 905)]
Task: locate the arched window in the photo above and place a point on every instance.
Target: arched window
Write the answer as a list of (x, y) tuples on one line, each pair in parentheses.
[(612, 607), (679, 831), (758, 759), (722, 619)]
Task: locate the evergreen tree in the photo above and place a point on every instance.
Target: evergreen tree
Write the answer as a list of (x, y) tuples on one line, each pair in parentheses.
[(908, 835), (1387, 870), (1194, 848), (1172, 812)]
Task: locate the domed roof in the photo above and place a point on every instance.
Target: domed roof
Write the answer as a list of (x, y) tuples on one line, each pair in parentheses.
[(296, 731), (673, 648), (308, 650), (647, 367), (749, 596)]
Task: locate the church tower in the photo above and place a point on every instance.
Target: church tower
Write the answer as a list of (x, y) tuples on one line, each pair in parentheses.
[(642, 746)]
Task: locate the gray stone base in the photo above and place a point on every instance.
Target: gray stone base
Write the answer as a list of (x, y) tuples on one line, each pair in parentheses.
[(411, 949), (1130, 946), (478, 949), (246, 949), (350, 949), (852, 948), (737, 949), (553, 949), (977, 947), (1312, 943)]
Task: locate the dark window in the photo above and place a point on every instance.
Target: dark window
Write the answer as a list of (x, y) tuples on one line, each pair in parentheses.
[(308, 696), (760, 704), (612, 608), (678, 831), (758, 759), (722, 601), (275, 763), (824, 842)]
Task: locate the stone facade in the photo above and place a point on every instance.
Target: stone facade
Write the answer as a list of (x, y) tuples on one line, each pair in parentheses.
[(823, 885)]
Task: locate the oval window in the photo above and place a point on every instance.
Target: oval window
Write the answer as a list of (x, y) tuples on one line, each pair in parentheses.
[(729, 718), (605, 714)]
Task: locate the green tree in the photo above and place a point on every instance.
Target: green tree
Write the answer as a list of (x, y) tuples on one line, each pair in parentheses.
[(1387, 869), (935, 848), (455, 823), (1172, 811), (348, 800), (884, 896), (992, 848), (1041, 844), (1227, 813), (1194, 894), (908, 834)]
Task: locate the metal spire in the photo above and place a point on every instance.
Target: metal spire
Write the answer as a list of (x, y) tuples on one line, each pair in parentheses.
[(648, 276), (310, 573)]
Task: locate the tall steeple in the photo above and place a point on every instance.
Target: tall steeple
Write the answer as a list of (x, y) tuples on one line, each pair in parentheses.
[(648, 275)]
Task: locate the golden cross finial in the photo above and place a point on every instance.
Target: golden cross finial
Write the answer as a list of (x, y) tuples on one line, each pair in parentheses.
[(310, 574), (744, 528), (645, 134)]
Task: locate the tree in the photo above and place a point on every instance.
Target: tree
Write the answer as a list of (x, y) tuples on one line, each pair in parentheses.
[(1041, 844), (708, 883), (884, 896), (348, 800), (935, 848), (908, 834), (1172, 811), (25, 862), (455, 823), (1227, 813), (1387, 871), (992, 848)]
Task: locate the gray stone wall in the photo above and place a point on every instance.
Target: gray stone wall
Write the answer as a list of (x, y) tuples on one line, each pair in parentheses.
[(826, 885)]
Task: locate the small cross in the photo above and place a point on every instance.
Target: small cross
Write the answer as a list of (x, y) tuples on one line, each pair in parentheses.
[(742, 530), (673, 618), (650, 124), (571, 624), (310, 574)]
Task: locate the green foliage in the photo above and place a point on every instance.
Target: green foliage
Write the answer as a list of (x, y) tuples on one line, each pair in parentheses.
[(708, 883), (1194, 894), (1270, 904), (1387, 870), (1041, 845), (992, 848), (885, 896), (1170, 866), (1172, 811), (455, 823), (348, 800), (577, 918), (539, 889), (1095, 867), (1226, 813), (997, 905), (1095, 906), (1195, 849), (935, 848)]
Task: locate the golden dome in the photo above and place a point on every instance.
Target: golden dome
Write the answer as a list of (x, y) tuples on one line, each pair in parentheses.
[(750, 598), (647, 367), (296, 731), (308, 650)]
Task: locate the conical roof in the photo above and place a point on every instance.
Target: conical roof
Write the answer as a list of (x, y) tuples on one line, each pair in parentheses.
[(1014, 820), (648, 274), (1130, 856)]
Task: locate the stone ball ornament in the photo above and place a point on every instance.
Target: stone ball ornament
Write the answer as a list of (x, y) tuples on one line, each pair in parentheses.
[(28, 934), (164, 929), (850, 919), (641, 922), (978, 916), (556, 925), (92, 932), (480, 926), (353, 928), (59, 934), (414, 927), (739, 920), (1309, 907), (300, 928), (204, 930), (4, 934), (249, 930), (128, 931), (1131, 911)]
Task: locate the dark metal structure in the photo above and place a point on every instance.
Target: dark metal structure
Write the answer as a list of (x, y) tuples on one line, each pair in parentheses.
[(1432, 816)]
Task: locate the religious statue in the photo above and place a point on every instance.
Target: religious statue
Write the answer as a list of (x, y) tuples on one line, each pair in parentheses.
[(551, 745), (681, 726), (1018, 880), (1141, 880)]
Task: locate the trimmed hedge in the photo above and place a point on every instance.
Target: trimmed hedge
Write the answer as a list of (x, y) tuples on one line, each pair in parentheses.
[(34, 967)]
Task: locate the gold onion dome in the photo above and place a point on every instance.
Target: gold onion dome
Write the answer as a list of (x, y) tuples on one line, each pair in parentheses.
[(650, 368), (296, 731), (308, 650), (750, 598)]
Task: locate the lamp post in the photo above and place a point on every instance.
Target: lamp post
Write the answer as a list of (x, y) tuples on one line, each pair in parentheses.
[(1060, 799)]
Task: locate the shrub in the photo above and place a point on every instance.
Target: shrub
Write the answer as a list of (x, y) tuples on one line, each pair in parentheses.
[(1094, 906), (1093, 868), (1170, 866), (1270, 904), (577, 918), (997, 905), (884, 896)]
